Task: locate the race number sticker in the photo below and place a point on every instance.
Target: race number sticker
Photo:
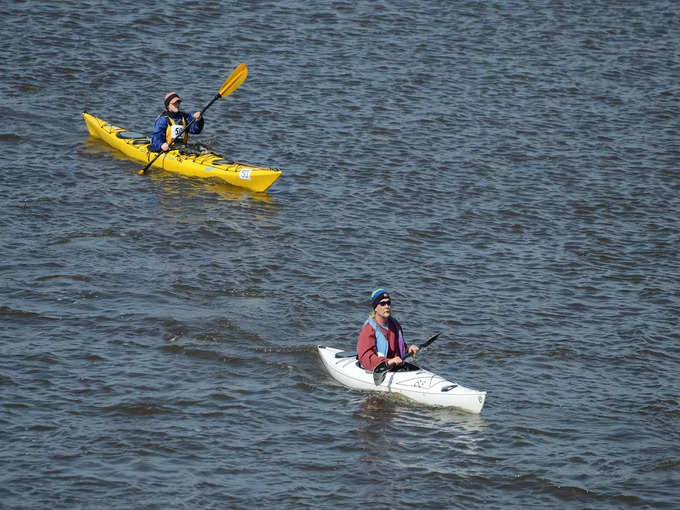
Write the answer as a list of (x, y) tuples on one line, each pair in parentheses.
[(244, 174), (175, 130)]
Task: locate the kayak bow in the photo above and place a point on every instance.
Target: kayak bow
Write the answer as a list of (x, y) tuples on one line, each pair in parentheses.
[(210, 165)]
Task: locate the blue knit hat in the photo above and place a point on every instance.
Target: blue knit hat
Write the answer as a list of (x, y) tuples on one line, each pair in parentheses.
[(377, 295)]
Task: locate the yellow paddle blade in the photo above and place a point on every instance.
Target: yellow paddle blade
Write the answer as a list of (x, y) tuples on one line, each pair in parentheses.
[(235, 79)]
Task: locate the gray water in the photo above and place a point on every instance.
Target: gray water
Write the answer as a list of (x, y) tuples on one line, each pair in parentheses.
[(508, 170)]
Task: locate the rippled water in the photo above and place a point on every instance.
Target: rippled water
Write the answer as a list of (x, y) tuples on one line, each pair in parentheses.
[(508, 170)]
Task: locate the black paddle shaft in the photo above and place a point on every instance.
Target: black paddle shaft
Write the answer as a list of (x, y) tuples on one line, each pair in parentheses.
[(181, 133), (193, 119), (381, 370)]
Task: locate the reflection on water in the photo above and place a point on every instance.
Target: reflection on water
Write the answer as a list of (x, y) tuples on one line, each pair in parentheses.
[(378, 408), (180, 187), (375, 415), (228, 192), (169, 181), (443, 416), (383, 408), (387, 424)]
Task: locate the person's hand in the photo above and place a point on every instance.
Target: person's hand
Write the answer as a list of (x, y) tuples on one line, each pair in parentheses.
[(165, 147), (197, 115), (413, 349), (394, 362)]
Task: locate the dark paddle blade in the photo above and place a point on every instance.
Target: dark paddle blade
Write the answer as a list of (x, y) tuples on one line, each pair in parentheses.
[(379, 373), (429, 340)]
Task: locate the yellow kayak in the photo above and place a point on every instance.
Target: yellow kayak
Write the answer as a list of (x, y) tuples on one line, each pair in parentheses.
[(211, 165)]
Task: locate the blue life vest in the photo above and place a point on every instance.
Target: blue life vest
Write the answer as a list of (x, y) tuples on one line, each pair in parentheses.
[(381, 343)]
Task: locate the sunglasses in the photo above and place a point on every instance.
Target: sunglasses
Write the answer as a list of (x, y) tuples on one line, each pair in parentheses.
[(384, 303)]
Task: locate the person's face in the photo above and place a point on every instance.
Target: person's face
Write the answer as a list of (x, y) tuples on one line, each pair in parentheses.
[(174, 106), (384, 308)]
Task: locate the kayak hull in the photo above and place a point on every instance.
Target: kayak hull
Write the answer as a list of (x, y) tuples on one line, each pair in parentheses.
[(210, 165), (415, 383)]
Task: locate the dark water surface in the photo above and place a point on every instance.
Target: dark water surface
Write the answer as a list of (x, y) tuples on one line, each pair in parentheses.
[(509, 170)]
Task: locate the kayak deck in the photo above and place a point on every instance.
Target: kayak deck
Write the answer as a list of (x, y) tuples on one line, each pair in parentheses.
[(413, 382), (209, 165)]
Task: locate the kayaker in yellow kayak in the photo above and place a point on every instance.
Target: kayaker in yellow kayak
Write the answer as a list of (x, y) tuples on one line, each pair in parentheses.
[(169, 123), (381, 338)]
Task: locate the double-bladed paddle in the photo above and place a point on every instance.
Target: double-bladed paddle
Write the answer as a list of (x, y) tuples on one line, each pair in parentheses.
[(236, 78), (380, 371)]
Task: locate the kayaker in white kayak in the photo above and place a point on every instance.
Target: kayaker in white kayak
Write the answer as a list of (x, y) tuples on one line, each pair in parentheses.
[(381, 337), (169, 123)]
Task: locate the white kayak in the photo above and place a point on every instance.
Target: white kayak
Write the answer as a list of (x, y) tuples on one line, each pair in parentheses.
[(413, 382)]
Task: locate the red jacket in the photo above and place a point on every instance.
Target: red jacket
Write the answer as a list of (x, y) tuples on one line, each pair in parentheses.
[(366, 351)]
